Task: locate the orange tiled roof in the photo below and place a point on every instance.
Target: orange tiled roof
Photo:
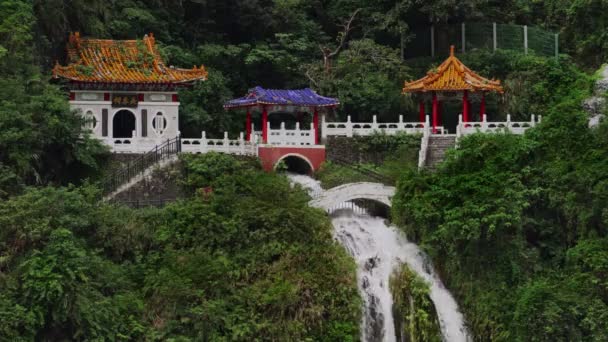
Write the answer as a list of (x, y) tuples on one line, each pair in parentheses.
[(452, 75), (121, 61)]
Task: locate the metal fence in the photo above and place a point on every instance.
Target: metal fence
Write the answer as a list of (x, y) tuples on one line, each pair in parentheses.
[(160, 152), (437, 39), (363, 171), (145, 203)]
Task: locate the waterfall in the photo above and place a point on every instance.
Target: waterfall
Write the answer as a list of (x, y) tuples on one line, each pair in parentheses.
[(378, 249)]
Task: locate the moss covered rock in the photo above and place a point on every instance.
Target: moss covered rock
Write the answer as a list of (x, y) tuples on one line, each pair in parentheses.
[(414, 312)]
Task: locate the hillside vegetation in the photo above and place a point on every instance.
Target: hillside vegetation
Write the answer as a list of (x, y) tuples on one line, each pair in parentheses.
[(518, 225), (249, 261)]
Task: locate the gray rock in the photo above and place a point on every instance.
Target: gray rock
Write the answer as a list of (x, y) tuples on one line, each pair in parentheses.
[(596, 105), (602, 85), (596, 120)]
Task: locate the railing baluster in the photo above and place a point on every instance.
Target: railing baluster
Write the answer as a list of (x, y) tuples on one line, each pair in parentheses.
[(139, 165)]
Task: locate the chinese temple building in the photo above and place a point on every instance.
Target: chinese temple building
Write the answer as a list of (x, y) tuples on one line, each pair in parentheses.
[(304, 106), (124, 90), (452, 80)]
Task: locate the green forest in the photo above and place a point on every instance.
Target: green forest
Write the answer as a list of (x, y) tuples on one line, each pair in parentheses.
[(517, 226)]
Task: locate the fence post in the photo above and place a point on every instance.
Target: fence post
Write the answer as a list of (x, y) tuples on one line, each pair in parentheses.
[(402, 44), (494, 36), (557, 47), (463, 32), (432, 40), (323, 128), (241, 143), (526, 39), (459, 128), (349, 127)]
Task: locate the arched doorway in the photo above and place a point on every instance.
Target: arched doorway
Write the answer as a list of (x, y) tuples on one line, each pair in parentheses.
[(123, 124), (296, 163), (365, 206)]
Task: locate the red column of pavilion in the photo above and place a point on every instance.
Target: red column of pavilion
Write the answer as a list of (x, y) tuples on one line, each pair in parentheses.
[(315, 123), (421, 116), (465, 106), (482, 109), (264, 124), (435, 112), (248, 124)]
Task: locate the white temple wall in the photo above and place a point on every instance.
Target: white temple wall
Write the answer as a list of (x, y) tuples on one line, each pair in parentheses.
[(156, 118)]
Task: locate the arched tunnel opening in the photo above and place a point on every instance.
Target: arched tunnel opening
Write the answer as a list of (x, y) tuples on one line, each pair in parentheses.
[(295, 164), (363, 206)]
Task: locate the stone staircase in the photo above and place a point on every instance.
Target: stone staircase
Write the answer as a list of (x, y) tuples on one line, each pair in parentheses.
[(438, 145)]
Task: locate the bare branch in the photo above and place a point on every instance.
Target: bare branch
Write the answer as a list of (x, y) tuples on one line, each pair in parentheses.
[(327, 53), (312, 80), (347, 28)]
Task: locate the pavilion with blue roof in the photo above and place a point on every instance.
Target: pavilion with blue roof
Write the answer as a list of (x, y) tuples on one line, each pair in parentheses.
[(281, 100)]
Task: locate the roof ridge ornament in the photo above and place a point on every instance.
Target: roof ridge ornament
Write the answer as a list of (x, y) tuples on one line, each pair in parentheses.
[(452, 75)]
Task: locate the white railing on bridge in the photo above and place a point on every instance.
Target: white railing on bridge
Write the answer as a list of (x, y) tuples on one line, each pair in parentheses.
[(231, 146), (349, 128), (424, 143), (291, 137), (515, 127)]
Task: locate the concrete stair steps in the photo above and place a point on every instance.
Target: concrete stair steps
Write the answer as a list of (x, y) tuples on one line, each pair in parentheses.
[(438, 146)]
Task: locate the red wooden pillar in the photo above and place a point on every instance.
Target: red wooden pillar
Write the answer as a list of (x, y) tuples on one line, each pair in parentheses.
[(264, 124), (440, 115), (465, 106), (422, 113), (482, 109), (315, 123), (248, 124), (435, 112)]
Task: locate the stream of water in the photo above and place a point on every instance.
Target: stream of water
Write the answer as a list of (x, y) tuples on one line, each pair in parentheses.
[(378, 249)]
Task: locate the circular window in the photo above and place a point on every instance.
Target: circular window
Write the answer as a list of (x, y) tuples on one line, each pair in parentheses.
[(90, 122), (159, 123)]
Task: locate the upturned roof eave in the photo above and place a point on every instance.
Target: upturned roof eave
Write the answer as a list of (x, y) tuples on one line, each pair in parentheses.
[(461, 74)]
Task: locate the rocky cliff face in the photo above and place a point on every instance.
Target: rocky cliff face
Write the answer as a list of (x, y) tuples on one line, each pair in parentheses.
[(596, 105)]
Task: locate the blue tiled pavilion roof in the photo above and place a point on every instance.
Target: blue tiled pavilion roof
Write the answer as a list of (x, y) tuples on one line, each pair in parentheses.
[(282, 97)]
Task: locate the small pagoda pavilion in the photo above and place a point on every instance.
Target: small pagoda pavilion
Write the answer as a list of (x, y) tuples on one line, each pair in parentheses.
[(124, 90), (279, 102), (450, 79)]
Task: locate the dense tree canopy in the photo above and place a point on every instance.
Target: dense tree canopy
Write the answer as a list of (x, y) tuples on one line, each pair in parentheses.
[(518, 225), (250, 261)]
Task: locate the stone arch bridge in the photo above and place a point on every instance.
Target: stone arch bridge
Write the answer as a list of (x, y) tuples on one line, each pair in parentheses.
[(363, 190)]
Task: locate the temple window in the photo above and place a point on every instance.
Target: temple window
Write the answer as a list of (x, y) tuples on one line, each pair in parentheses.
[(159, 123), (90, 122)]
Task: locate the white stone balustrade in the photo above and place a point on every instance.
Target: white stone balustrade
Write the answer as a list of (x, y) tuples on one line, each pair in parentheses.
[(349, 128), (231, 146), (424, 143), (515, 127), (132, 145), (348, 192), (291, 137)]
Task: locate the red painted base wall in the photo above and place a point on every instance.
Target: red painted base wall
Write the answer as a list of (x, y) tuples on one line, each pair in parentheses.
[(270, 156)]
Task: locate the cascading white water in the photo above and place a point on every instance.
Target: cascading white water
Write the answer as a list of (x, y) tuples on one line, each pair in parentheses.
[(378, 249)]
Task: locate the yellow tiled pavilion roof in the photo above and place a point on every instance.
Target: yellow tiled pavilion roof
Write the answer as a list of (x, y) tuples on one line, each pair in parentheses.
[(452, 75), (121, 61)]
